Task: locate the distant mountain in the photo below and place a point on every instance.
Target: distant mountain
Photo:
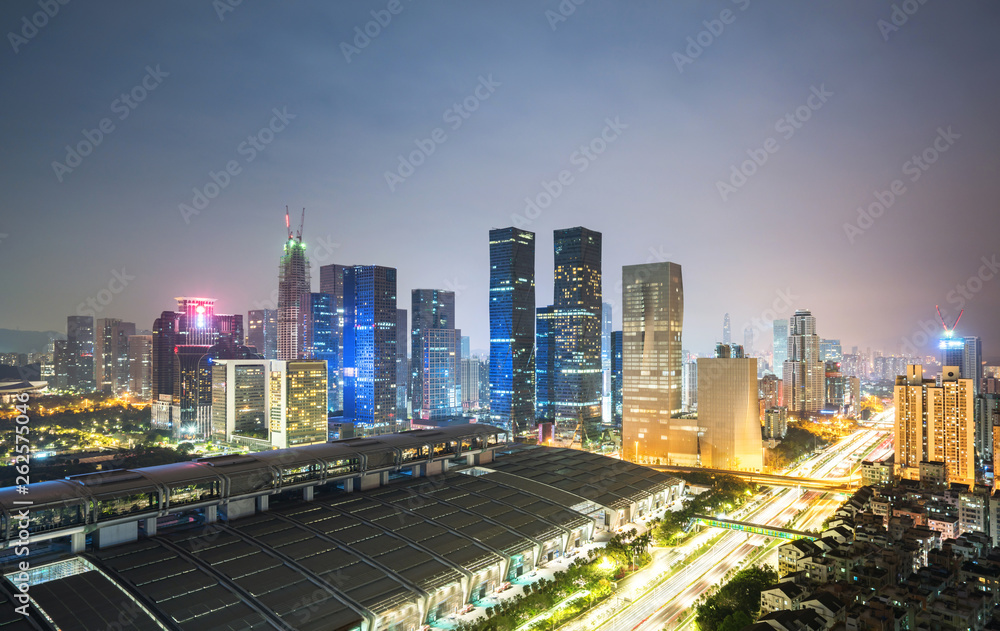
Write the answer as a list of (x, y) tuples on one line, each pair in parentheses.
[(12, 341)]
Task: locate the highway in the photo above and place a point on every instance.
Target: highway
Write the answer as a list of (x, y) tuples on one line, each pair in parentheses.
[(665, 604)]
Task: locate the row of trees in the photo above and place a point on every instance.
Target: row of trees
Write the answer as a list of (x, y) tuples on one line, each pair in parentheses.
[(726, 495), (737, 603)]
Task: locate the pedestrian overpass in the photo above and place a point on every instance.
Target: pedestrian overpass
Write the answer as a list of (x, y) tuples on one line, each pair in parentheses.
[(755, 529), (842, 485)]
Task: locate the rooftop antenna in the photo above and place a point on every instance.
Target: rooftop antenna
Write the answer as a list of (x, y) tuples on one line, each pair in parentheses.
[(948, 331)]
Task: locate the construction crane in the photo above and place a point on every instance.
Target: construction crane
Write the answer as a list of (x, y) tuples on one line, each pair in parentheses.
[(288, 226), (948, 331)]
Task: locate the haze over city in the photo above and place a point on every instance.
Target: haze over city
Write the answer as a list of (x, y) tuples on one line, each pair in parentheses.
[(677, 118)]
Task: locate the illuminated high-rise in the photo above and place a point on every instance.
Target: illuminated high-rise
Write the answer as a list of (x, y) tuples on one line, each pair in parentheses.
[(512, 329), (804, 373), (140, 367), (111, 355), (402, 367), (79, 353), (433, 310), (319, 335), (616, 378), (262, 332), (606, 319), (652, 322), (727, 332), (972, 362), (935, 423), (370, 355), (577, 302), (331, 281), (293, 283), (779, 331), (545, 364)]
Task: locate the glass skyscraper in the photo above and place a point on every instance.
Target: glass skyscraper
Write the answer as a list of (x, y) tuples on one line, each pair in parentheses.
[(616, 378), (577, 362), (331, 281), (434, 379), (779, 329), (262, 332), (79, 353), (512, 329), (370, 348), (319, 335), (545, 346)]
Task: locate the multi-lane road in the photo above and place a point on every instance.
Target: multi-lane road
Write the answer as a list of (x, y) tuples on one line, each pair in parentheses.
[(662, 606)]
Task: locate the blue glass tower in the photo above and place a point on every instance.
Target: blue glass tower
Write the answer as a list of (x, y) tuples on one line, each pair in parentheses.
[(545, 348), (512, 329), (319, 337), (370, 348), (616, 378)]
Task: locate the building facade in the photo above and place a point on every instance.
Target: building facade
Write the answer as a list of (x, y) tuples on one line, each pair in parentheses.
[(111, 367), (140, 367), (262, 332), (804, 373), (293, 283), (779, 331), (512, 329)]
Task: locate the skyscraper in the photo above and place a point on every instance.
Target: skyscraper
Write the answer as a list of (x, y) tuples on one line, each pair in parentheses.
[(748, 341), (432, 310), (689, 394), (577, 301), (606, 318), (729, 414), (545, 364), (111, 372), (779, 331), (616, 378), (370, 348), (972, 362), (79, 353), (293, 283), (652, 321), (470, 384), (262, 332), (466, 346), (402, 368), (804, 372), (440, 382), (140, 367), (727, 334), (318, 335), (331, 281), (830, 350), (935, 423), (512, 329)]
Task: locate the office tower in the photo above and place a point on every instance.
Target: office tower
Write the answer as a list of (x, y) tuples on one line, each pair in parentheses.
[(403, 368), (616, 378), (729, 414), (804, 371), (512, 330), (652, 321), (775, 423), (370, 348), (748, 340), (140, 367), (972, 362), (470, 384), (689, 393), (836, 386), (577, 301), (466, 346), (935, 423), (829, 350), (80, 353), (727, 336), (545, 359), (606, 316), (262, 332), (769, 391), (484, 385), (111, 373), (293, 283), (433, 310), (440, 385), (779, 331), (193, 326), (61, 359), (331, 281), (304, 421), (318, 335), (240, 401)]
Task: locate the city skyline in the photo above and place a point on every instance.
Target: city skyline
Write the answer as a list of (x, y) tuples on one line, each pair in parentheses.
[(657, 167)]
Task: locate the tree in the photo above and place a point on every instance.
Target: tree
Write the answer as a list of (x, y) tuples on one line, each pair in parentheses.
[(185, 448), (736, 621)]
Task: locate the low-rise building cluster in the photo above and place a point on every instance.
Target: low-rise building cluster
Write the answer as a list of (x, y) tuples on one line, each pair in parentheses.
[(917, 555)]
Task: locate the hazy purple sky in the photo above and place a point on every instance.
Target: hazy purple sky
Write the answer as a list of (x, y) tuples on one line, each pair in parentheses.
[(546, 88)]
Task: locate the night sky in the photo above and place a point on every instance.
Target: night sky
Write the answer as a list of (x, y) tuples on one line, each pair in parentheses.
[(643, 126)]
